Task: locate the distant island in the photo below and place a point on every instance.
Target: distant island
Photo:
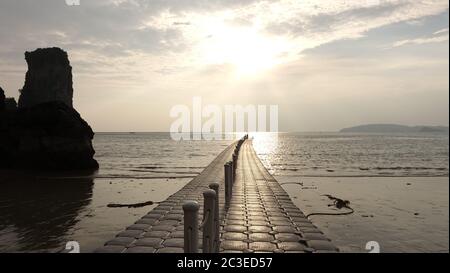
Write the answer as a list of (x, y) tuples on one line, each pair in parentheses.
[(394, 128)]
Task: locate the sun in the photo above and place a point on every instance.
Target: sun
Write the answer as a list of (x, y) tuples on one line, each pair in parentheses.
[(247, 50)]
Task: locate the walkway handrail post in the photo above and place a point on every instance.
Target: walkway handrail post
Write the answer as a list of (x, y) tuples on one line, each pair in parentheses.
[(216, 248), (190, 209), (209, 197), (234, 164), (228, 182)]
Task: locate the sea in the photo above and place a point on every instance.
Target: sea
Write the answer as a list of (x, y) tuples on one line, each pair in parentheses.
[(44, 212)]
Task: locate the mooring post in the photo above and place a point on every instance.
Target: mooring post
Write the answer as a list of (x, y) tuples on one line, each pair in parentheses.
[(234, 164), (209, 197), (231, 170), (190, 209), (228, 183), (216, 245)]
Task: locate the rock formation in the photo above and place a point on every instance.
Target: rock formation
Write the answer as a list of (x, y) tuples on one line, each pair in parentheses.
[(49, 78), (2, 100), (10, 105), (46, 132)]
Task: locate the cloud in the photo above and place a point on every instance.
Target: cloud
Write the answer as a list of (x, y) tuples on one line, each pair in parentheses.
[(146, 55), (120, 28), (441, 31), (438, 37), (420, 41), (298, 25)]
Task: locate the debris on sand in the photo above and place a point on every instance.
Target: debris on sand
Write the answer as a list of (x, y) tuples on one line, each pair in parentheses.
[(137, 205), (338, 203)]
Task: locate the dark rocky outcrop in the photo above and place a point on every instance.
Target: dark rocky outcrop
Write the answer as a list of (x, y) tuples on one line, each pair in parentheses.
[(2, 100), (10, 105), (49, 78), (52, 136), (46, 132)]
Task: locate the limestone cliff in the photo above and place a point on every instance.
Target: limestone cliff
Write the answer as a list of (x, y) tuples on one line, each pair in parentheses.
[(49, 78), (45, 132)]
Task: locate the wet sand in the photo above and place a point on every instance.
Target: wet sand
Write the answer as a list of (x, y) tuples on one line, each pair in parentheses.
[(98, 226), (402, 214), (42, 215)]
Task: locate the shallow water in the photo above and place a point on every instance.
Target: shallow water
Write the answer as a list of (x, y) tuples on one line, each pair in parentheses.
[(342, 154), (41, 212), (397, 185)]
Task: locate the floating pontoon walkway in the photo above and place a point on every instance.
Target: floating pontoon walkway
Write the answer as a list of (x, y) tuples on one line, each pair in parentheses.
[(260, 218)]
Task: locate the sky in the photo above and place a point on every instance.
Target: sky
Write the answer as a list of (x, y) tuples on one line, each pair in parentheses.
[(327, 64)]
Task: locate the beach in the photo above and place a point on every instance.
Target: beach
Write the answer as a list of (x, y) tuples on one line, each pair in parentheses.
[(402, 214)]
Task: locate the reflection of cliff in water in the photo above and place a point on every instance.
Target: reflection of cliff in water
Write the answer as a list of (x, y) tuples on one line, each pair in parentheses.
[(37, 212)]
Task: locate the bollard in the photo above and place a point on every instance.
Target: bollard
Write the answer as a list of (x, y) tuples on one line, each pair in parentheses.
[(231, 171), (235, 157), (228, 183), (190, 209), (216, 245), (208, 220)]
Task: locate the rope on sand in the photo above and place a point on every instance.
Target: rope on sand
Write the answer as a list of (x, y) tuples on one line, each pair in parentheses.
[(338, 203), (332, 214)]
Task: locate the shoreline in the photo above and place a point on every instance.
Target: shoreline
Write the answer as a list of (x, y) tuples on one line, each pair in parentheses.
[(91, 222)]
